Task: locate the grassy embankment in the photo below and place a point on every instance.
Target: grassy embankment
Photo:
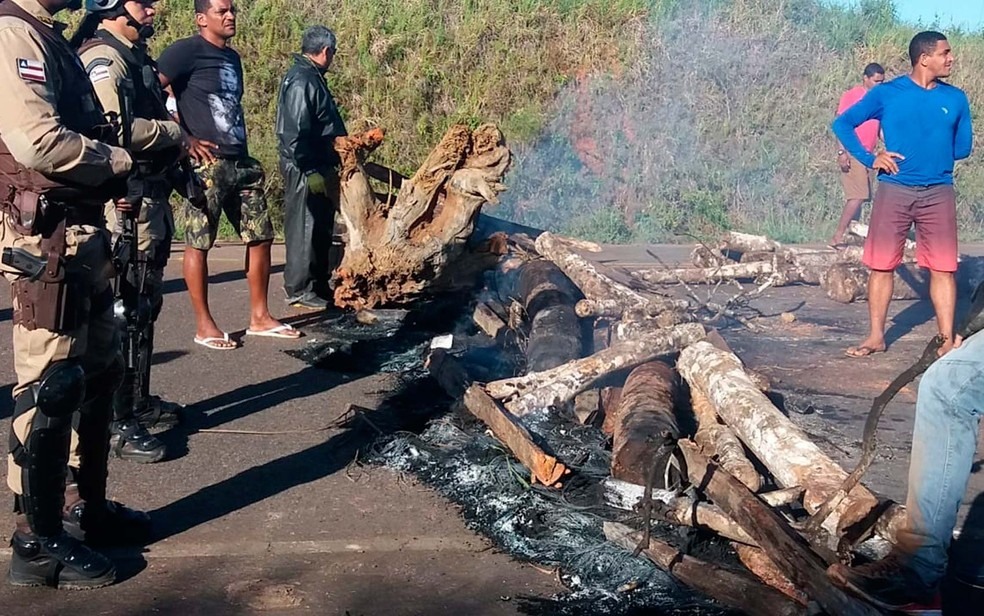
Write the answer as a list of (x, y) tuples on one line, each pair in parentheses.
[(631, 120), (414, 67)]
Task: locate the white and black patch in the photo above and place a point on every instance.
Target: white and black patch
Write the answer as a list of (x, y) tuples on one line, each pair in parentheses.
[(98, 70)]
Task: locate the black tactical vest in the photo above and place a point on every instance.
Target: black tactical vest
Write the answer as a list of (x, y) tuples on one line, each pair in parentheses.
[(148, 96)]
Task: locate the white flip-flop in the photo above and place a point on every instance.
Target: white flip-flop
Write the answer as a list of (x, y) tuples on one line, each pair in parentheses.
[(275, 332), (209, 342)]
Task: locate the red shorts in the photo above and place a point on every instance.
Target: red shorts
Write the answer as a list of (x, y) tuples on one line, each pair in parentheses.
[(932, 209)]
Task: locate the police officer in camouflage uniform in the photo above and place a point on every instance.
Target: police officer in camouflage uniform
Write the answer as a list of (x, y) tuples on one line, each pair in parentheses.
[(112, 44), (206, 78), (57, 170)]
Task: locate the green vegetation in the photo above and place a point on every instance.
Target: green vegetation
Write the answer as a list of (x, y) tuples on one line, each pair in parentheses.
[(415, 67), (631, 120)]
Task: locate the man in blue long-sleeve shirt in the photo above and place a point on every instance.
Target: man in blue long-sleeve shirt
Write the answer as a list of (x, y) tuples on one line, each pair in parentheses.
[(926, 126)]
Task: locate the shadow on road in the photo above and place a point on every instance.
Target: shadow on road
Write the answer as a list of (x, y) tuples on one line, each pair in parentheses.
[(396, 337), (967, 561), (402, 411)]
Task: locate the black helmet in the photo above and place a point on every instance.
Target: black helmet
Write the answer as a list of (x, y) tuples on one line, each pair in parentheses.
[(108, 9), (103, 6)]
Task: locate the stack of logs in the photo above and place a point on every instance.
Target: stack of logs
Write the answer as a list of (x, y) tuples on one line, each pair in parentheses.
[(682, 410), (839, 271)]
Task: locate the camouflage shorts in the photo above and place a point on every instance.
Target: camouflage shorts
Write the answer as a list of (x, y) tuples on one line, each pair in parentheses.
[(233, 186)]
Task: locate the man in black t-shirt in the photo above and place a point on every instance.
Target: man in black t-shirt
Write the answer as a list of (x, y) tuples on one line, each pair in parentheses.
[(205, 76)]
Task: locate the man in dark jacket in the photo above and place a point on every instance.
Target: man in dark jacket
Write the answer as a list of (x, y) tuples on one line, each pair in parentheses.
[(307, 122)]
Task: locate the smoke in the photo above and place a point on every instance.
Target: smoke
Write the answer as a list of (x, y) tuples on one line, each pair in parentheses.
[(721, 122)]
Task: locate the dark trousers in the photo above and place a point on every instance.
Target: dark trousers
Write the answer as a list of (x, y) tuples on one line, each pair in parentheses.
[(309, 221)]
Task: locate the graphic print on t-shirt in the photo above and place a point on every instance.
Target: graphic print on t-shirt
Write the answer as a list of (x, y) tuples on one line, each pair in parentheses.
[(227, 113), (207, 82)]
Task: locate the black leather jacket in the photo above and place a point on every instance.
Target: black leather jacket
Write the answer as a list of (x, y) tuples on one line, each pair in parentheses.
[(307, 118)]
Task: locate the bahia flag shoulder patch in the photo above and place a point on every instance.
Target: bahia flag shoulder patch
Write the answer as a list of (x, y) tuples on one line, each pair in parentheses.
[(31, 70)]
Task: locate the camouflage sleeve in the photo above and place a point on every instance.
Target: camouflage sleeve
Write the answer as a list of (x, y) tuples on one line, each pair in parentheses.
[(109, 74), (30, 124)]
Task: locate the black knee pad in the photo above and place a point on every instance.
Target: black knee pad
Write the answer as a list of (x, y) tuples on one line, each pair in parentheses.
[(58, 393)]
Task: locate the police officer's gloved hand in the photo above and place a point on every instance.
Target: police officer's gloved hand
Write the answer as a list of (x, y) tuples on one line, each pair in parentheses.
[(130, 203), (316, 184)]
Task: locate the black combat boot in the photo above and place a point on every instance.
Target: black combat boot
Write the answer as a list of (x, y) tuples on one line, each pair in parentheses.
[(157, 413), (60, 561), (131, 441), (43, 553), (108, 523)]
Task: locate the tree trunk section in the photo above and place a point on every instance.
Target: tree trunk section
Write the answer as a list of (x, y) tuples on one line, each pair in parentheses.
[(555, 332), (780, 542), (783, 448), (736, 590), (400, 250), (610, 399), (708, 275), (646, 425), (628, 330), (703, 256), (745, 242), (540, 390), (607, 297), (846, 283), (718, 442)]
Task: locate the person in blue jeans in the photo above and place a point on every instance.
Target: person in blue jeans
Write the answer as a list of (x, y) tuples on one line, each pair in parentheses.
[(944, 441)]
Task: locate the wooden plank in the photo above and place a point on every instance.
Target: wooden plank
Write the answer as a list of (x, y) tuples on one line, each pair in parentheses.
[(546, 469), (487, 320), (737, 590)]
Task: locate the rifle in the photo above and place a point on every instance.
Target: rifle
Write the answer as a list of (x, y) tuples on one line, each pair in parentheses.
[(130, 272)]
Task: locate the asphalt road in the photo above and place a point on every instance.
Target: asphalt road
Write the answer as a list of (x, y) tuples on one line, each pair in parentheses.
[(256, 523), (253, 523)]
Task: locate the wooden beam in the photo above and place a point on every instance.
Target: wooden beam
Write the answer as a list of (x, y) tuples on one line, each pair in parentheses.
[(730, 588), (773, 534), (545, 468)]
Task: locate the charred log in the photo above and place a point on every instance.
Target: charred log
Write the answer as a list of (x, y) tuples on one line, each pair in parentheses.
[(646, 425)]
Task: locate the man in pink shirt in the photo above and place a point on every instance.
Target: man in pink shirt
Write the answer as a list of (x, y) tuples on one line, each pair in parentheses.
[(855, 177)]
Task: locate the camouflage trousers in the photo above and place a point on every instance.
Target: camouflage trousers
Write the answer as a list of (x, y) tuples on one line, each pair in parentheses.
[(233, 186)]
